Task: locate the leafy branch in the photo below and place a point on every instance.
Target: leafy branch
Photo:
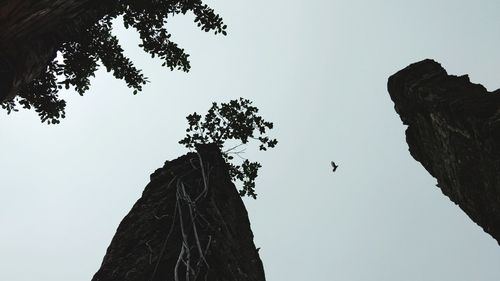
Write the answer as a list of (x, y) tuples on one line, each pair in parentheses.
[(83, 52), (236, 120)]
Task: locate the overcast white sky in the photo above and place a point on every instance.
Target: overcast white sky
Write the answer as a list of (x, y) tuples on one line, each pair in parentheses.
[(318, 69)]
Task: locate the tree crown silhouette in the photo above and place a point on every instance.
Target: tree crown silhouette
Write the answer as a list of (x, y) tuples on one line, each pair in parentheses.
[(82, 54), (236, 121)]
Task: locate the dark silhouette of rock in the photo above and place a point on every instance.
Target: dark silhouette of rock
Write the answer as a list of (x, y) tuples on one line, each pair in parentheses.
[(454, 131), (31, 31), (189, 224)]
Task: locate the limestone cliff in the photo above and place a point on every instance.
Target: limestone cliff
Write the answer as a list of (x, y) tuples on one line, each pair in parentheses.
[(189, 224), (454, 131)]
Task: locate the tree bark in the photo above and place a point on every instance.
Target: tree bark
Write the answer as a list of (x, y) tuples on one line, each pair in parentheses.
[(31, 31)]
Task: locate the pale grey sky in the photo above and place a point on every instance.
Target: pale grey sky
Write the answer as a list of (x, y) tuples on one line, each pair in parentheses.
[(318, 69)]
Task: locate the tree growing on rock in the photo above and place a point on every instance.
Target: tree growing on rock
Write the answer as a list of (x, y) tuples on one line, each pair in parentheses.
[(235, 122), (85, 51)]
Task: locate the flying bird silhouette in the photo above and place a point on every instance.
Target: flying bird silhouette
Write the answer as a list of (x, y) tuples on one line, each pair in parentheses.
[(334, 166)]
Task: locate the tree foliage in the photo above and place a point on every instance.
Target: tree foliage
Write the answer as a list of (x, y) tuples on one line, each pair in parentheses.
[(234, 121), (97, 44)]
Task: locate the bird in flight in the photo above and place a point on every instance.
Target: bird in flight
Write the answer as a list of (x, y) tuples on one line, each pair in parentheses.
[(334, 166)]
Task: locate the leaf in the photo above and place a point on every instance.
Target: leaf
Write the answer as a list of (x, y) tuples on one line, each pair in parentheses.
[(235, 120)]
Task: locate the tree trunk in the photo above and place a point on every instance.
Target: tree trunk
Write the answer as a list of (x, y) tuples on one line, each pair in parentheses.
[(31, 31)]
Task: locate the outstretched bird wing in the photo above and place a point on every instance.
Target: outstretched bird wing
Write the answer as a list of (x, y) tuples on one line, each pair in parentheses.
[(334, 166)]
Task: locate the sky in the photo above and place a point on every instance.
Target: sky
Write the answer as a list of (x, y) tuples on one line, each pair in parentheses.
[(317, 69)]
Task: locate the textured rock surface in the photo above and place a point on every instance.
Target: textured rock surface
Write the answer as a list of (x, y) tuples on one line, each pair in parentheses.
[(189, 214), (30, 31), (454, 131)]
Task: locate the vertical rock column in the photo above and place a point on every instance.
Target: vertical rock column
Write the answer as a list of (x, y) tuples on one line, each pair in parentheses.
[(189, 224), (454, 131)]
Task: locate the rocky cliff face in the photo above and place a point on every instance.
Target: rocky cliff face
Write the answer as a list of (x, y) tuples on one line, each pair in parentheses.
[(189, 224), (30, 32), (454, 131)]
